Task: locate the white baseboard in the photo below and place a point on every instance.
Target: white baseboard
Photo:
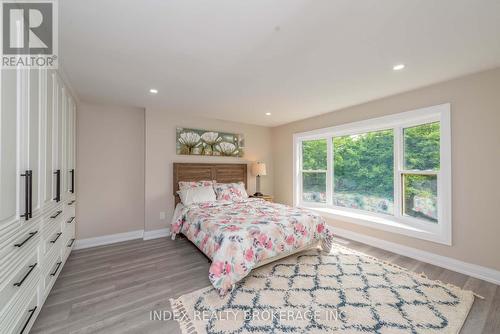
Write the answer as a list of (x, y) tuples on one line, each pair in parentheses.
[(473, 270), (108, 239), (119, 237), (163, 232)]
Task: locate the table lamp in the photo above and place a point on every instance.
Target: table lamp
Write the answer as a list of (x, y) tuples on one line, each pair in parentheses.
[(258, 170)]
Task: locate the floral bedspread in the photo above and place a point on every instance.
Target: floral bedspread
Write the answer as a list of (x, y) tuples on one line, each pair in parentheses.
[(238, 235)]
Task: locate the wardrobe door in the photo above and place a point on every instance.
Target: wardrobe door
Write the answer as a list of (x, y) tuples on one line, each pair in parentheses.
[(59, 144), (56, 137), (10, 176), (64, 142), (34, 129), (48, 137), (70, 144)]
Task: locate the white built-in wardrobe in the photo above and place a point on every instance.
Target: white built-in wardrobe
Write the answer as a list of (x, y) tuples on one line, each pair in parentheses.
[(37, 190)]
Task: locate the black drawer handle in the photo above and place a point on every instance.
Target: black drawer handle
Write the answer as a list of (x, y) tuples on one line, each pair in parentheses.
[(71, 243), (54, 241), (72, 190), (57, 268), (21, 244), (31, 312), (28, 195), (56, 214), (70, 220), (70, 203), (32, 267), (57, 173)]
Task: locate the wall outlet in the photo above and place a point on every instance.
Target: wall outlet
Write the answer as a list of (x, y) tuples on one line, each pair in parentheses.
[(163, 215)]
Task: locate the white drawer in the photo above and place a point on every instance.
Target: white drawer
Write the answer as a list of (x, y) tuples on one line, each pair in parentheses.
[(9, 235), (27, 316), (69, 240), (21, 312), (66, 250), (27, 271), (70, 206), (54, 268), (53, 238), (69, 225), (18, 250), (56, 215)]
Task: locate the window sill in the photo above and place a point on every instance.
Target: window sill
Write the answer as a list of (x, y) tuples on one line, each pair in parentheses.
[(390, 224)]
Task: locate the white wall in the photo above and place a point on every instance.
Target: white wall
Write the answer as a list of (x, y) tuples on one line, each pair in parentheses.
[(110, 170)]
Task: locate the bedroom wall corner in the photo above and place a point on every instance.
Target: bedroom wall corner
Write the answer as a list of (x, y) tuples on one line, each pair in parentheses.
[(161, 154)]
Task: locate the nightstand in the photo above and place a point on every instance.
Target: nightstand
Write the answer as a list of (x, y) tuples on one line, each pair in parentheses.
[(268, 198)]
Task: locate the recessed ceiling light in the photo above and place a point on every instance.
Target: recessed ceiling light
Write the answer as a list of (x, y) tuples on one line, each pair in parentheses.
[(268, 114), (398, 67), (153, 91)]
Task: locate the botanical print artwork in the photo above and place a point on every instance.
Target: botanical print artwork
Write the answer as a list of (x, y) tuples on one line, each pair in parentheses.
[(205, 142)]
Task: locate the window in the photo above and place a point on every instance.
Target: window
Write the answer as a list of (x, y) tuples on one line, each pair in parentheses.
[(391, 173), (363, 171), (421, 166), (314, 169)]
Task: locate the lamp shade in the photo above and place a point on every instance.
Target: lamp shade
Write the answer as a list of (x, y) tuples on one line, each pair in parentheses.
[(259, 169)]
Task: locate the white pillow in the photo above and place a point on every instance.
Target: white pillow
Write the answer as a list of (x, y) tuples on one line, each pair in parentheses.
[(197, 195)]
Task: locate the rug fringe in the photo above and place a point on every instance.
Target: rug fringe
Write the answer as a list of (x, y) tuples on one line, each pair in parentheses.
[(181, 315)]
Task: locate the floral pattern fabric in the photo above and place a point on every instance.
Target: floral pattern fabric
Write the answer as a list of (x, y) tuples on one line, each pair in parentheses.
[(230, 191), (194, 184), (239, 235)]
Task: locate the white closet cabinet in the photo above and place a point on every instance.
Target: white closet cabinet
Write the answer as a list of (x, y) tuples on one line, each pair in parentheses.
[(37, 193)]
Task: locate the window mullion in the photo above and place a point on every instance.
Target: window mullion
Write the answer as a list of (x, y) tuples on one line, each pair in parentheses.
[(329, 171), (300, 174), (398, 168)]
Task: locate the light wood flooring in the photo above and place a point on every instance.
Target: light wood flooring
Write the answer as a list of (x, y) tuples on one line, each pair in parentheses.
[(112, 289)]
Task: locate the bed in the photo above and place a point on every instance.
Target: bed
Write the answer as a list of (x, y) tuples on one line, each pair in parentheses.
[(241, 235)]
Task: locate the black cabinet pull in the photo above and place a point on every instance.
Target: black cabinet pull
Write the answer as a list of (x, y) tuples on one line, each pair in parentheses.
[(31, 312), (69, 221), (72, 181), (31, 235), (56, 214), (71, 243), (28, 194), (31, 194), (18, 284), (57, 268), (57, 173), (57, 237)]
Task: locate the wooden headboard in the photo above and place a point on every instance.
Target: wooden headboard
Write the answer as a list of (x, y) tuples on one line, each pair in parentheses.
[(223, 173)]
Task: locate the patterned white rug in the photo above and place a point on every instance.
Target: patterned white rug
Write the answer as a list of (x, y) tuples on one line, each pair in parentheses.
[(313, 292)]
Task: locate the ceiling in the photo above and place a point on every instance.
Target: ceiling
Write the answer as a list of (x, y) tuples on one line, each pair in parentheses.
[(237, 59)]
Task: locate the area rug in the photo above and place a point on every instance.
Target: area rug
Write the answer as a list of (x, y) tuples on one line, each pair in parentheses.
[(344, 291)]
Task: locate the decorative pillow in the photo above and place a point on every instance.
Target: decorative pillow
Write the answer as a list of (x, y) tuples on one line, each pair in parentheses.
[(230, 191), (195, 184), (197, 195)]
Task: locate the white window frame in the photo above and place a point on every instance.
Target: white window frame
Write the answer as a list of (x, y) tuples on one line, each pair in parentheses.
[(440, 232)]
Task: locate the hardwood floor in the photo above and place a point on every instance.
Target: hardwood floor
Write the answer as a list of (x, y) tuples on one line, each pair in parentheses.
[(112, 289)]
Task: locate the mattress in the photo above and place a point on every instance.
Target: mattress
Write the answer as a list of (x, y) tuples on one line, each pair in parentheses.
[(237, 236)]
